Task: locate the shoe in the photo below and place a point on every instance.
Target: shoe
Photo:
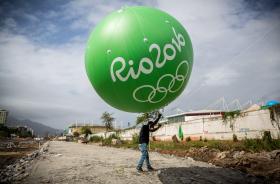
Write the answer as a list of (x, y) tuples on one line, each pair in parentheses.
[(150, 168), (139, 169)]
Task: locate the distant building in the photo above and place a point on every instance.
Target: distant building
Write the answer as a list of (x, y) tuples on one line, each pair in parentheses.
[(188, 116), (3, 116), (93, 128)]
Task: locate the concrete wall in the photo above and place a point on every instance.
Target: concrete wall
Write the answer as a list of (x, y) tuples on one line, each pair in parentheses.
[(248, 124), (93, 129)]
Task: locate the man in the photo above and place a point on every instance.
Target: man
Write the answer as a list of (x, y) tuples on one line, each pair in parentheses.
[(144, 142)]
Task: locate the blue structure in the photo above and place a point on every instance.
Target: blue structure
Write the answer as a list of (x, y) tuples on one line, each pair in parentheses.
[(272, 102)]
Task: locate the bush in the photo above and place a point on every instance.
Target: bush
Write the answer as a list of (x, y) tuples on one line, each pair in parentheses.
[(95, 138), (234, 138), (188, 139), (114, 136), (135, 139), (268, 142), (205, 140), (107, 141), (253, 144), (267, 137), (76, 134), (4, 133), (85, 130)]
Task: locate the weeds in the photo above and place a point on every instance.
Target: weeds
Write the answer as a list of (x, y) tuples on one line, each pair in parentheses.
[(188, 139), (96, 138), (234, 138), (135, 139)]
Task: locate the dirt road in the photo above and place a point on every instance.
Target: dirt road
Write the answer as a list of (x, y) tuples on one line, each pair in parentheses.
[(67, 162)]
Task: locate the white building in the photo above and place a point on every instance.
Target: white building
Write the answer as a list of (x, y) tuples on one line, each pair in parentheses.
[(3, 116), (250, 123)]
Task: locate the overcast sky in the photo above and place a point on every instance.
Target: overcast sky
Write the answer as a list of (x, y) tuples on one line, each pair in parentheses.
[(42, 43)]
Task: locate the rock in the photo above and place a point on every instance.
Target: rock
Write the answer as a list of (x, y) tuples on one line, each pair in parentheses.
[(238, 154), (116, 142), (175, 139), (274, 154), (222, 155), (190, 159), (158, 172)]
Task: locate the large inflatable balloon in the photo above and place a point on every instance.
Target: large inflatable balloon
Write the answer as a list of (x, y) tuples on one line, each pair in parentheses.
[(139, 59)]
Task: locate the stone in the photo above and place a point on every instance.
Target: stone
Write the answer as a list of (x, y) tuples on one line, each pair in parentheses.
[(274, 154), (116, 142), (222, 155), (238, 154)]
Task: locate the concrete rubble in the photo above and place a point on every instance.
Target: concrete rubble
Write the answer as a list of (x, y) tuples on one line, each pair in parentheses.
[(19, 170), (265, 165)]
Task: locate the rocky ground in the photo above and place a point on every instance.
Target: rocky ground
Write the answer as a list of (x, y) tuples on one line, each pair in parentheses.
[(67, 162), (264, 165), (17, 165)]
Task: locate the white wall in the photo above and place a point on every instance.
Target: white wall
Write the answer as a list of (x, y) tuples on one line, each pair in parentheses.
[(248, 124)]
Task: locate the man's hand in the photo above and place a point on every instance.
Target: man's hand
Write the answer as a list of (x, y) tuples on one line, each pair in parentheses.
[(153, 129)]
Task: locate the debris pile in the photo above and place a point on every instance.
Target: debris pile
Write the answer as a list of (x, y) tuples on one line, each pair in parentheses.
[(17, 171), (264, 164)]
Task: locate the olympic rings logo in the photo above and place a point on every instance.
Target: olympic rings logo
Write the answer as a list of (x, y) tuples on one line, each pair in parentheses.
[(159, 89)]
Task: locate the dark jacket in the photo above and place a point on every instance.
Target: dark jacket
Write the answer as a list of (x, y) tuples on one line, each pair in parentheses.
[(145, 131)]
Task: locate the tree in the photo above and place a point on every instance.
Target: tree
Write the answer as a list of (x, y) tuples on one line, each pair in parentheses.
[(107, 119), (86, 130), (76, 134), (146, 116)]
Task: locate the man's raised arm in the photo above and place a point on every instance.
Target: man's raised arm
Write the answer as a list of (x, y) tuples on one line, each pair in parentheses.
[(152, 123)]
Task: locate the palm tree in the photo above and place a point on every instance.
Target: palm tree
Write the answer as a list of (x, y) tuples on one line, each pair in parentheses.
[(107, 119)]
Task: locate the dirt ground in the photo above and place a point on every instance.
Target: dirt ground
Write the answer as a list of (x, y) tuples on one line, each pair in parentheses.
[(67, 162)]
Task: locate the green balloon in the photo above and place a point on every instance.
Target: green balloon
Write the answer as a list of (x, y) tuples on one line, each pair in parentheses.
[(139, 59)]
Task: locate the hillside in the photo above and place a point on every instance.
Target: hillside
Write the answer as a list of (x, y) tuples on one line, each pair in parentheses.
[(39, 129)]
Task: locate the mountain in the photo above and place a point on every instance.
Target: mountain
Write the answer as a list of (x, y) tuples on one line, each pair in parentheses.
[(39, 129)]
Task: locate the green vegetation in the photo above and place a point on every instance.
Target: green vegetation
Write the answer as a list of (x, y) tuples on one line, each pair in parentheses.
[(188, 139), (250, 145), (135, 139), (86, 130), (95, 139), (266, 143), (234, 138), (107, 119), (230, 115), (76, 134), (105, 141), (7, 131)]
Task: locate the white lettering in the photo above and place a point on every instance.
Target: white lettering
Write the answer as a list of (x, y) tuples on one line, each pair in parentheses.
[(178, 41)]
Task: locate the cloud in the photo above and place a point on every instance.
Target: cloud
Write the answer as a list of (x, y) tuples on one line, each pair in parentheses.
[(42, 75), (234, 51), (220, 77)]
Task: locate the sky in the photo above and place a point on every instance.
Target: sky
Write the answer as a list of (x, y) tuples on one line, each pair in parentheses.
[(42, 45)]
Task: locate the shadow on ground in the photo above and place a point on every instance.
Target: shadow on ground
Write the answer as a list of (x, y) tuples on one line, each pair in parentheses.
[(201, 175)]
